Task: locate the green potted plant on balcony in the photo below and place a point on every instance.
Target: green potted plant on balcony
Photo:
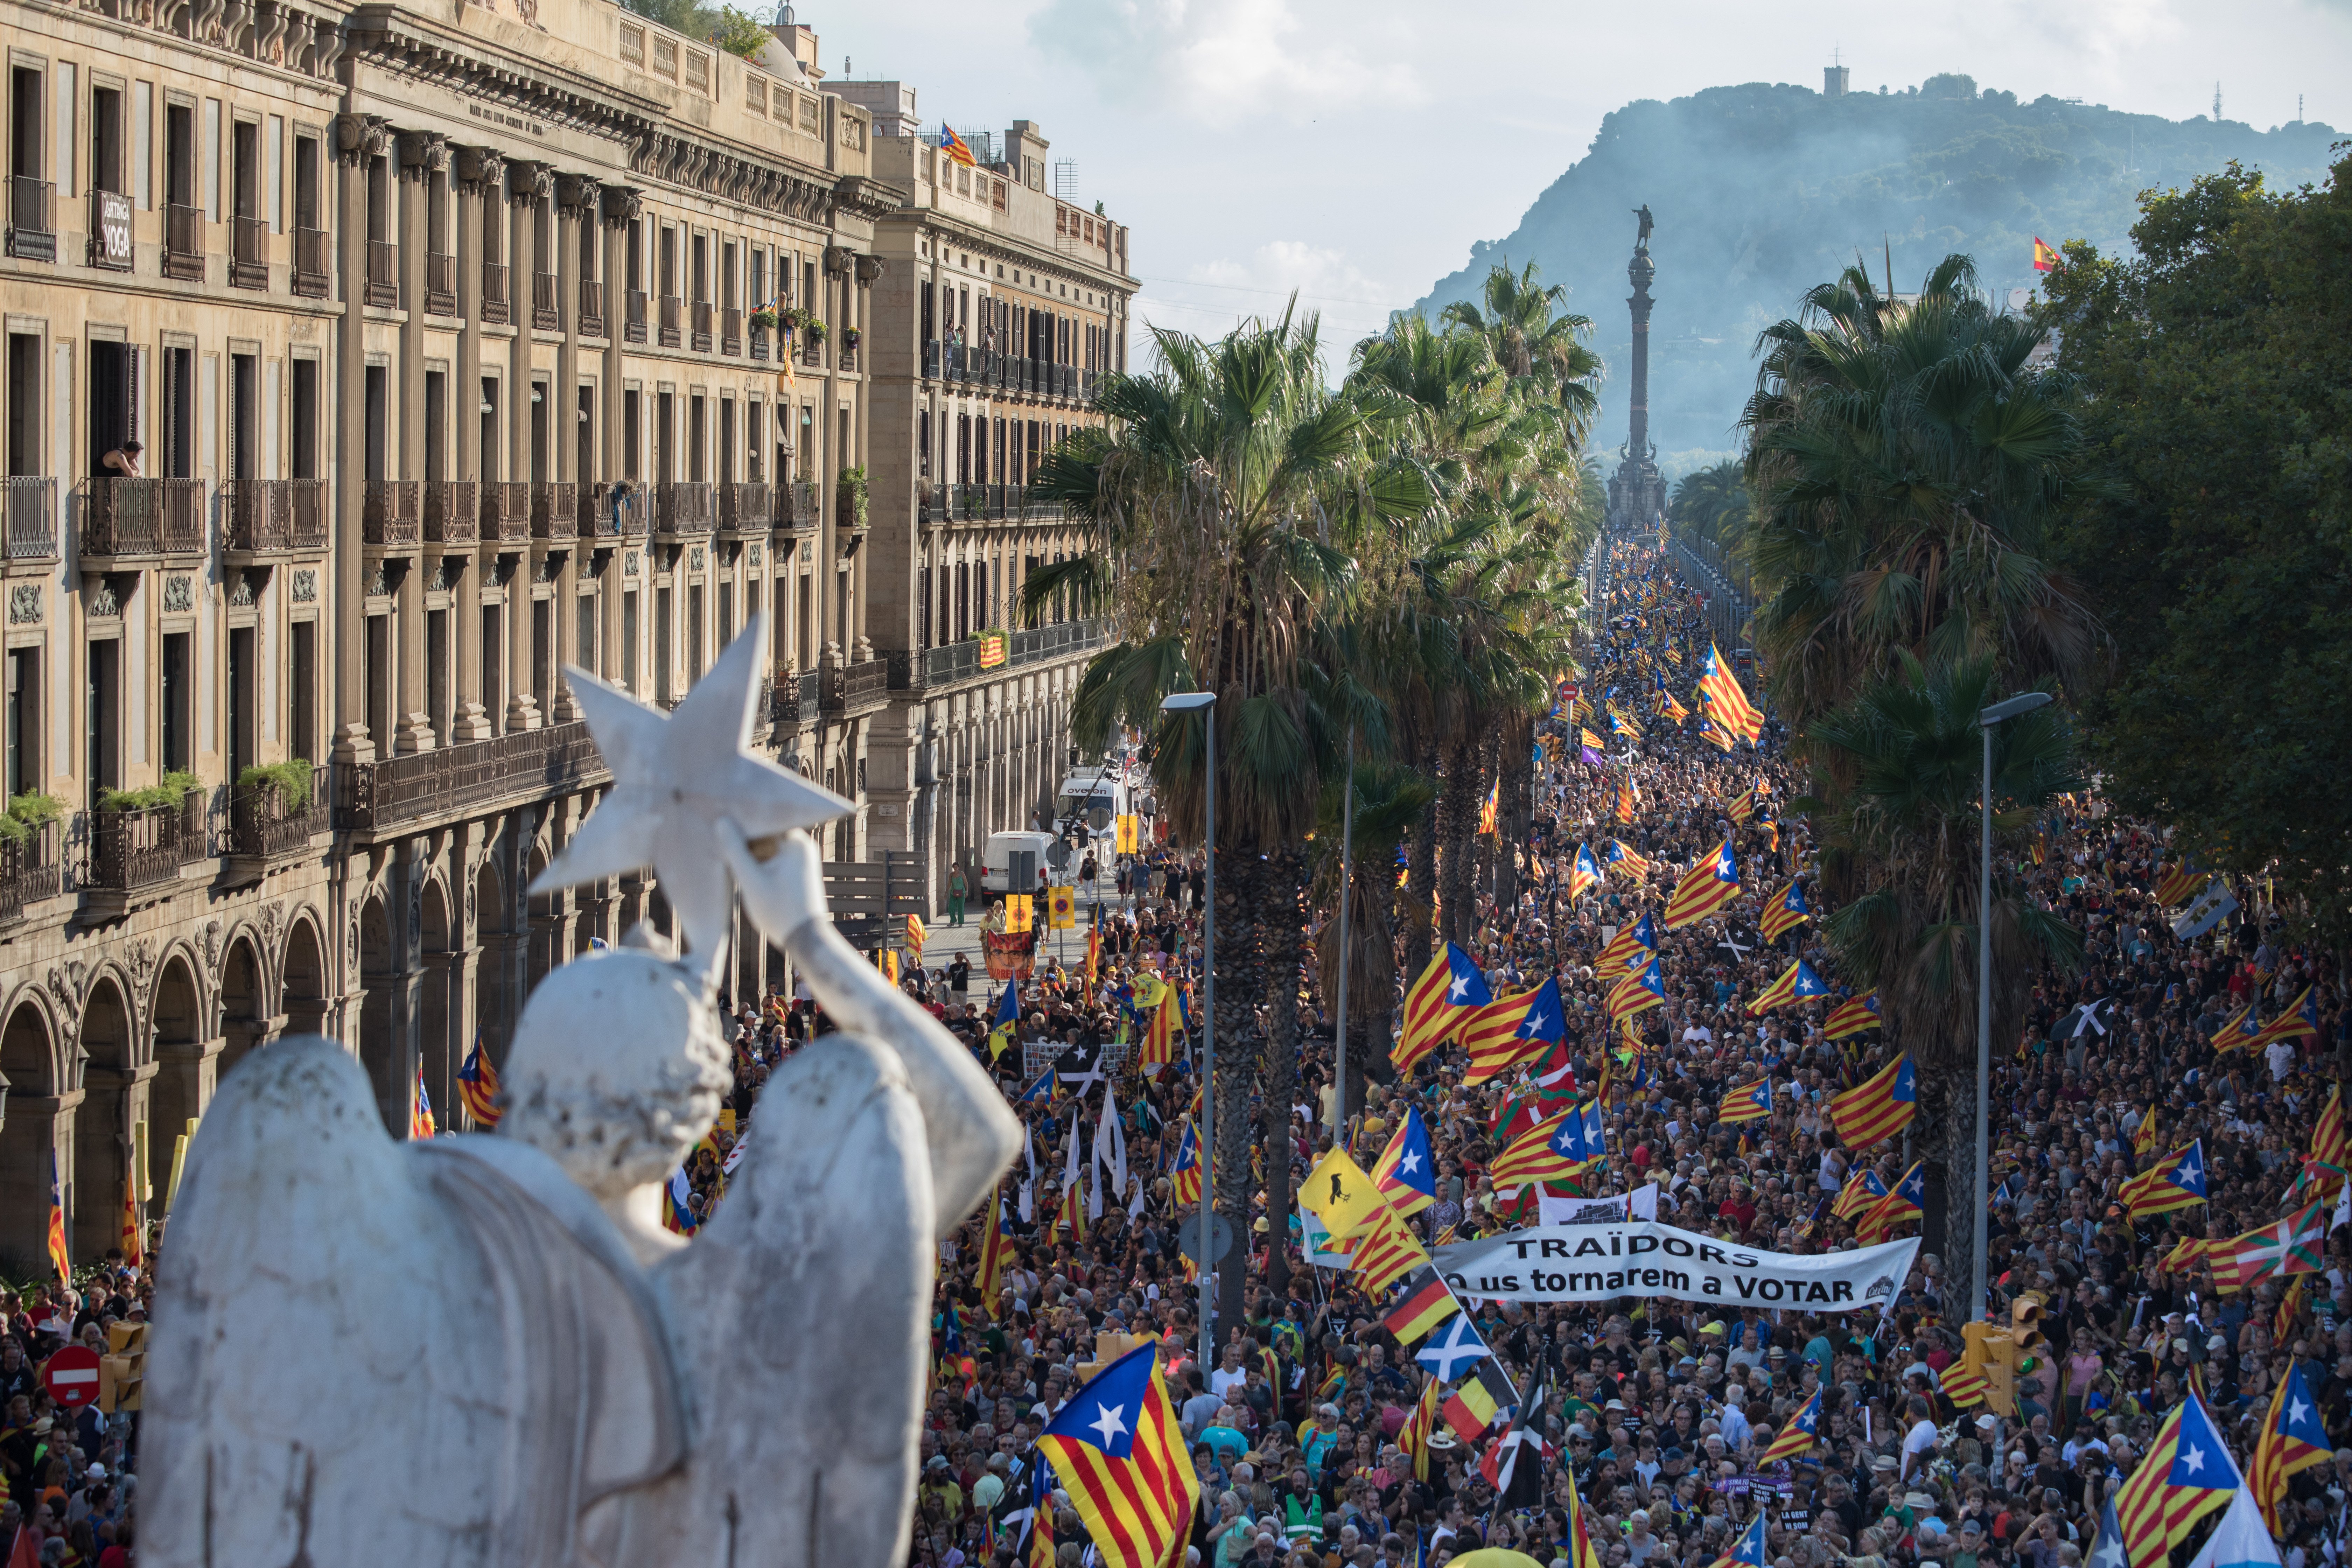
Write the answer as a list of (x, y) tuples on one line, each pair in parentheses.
[(765, 319), (812, 326), (850, 498), (291, 780), (173, 791), (850, 338), (26, 815)]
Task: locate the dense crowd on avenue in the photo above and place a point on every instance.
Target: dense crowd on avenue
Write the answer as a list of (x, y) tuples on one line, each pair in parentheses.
[(2131, 1142)]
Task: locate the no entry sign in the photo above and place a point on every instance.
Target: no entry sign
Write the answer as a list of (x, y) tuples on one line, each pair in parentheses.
[(71, 1376)]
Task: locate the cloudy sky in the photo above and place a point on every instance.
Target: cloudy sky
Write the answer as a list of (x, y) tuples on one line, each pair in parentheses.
[(1353, 151)]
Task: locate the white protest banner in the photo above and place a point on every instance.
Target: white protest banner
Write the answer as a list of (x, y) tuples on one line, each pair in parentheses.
[(1644, 1257), (1642, 1202)]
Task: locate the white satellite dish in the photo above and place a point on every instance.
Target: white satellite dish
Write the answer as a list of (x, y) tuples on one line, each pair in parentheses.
[(2018, 299)]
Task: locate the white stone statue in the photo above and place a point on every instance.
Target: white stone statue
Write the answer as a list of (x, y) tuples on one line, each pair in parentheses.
[(487, 1350)]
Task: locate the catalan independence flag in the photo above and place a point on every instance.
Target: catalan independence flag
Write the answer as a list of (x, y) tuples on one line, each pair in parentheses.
[(1121, 1456), (477, 1086), (1623, 857), (2300, 1020), (2293, 1440), (59, 1258), (1447, 992), (1160, 1040), (1625, 803), (2172, 1488), (995, 1252), (1851, 1018), (1639, 992), (1184, 1176), (2180, 884), (1384, 1249), (1796, 1437), (1906, 1200), (1879, 1106), (1744, 808), (1798, 983), (1502, 1034), (1707, 888), (1863, 1187), (420, 1110), (955, 147), (1727, 700), (2329, 1144), (1784, 911), (1552, 1151), (1406, 1171), (2175, 1182), (1630, 948), (1584, 873), (2241, 1031), (1747, 1103)]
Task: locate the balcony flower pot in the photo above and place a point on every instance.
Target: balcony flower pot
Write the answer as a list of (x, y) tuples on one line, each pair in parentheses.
[(850, 337), (850, 498), (763, 321)]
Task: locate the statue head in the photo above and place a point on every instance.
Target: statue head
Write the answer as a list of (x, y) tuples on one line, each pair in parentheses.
[(617, 1069)]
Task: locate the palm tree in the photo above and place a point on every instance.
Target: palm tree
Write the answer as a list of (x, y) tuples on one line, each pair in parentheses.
[(1213, 504), (1906, 458), (1908, 823), (1390, 798)]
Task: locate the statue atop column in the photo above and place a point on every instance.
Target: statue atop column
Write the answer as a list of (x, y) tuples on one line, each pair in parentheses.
[(487, 1350), (1637, 491)]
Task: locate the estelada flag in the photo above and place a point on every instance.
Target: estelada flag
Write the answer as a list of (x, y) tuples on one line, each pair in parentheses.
[(2045, 259), (1550, 1150), (1707, 888), (2328, 1142), (955, 148), (2293, 1440), (420, 1110), (1784, 910), (2181, 883), (1624, 858), (1160, 1040), (1385, 1251), (1502, 1034), (1863, 1187), (1796, 1437), (1447, 992), (1406, 1171), (1184, 1176), (1852, 1017), (477, 1086), (1624, 803), (1747, 1103), (2144, 1136), (1797, 984), (1637, 993), (1583, 874), (1121, 1456), (1879, 1106), (2300, 1020), (2175, 1182)]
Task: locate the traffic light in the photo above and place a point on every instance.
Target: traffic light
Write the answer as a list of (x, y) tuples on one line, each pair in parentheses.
[(124, 1368), (1986, 1348), (2028, 1346)]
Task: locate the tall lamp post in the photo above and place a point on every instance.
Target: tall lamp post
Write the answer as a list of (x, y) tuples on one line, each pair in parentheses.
[(1340, 1007), (2025, 702), (1202, 703)]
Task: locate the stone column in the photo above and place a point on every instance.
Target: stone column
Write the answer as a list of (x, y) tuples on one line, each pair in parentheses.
[(480, 173), (422, 154), (575, 216), (528, 185), (617, 207), (359, 140), (44, 1122)]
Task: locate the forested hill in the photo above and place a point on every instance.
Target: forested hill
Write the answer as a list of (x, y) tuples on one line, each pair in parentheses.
[(1762, 191)]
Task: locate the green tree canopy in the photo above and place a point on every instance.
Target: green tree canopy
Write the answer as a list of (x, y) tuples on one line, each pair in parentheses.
[(2218, 364)]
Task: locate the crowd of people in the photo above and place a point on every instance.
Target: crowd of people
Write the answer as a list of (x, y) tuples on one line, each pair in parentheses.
[(1656, 1413)]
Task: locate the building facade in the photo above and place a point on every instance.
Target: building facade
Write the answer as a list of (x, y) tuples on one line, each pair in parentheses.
[(1000, 304), (445, 340)]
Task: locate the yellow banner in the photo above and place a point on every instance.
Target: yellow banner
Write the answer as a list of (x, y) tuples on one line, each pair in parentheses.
[(1337, 1193), (1017, 917)]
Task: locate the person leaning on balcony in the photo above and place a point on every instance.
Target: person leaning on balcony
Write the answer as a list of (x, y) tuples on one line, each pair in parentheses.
[(121, 462), (957, 887)]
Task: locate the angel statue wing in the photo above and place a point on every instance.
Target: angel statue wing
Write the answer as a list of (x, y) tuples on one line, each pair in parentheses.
[(372, 1352)]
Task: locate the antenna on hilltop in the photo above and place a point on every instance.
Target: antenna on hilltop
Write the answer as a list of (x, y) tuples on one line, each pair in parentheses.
[(2217, 103)]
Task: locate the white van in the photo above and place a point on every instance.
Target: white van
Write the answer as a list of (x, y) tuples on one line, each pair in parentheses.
[(1091, 800), (996, 859)]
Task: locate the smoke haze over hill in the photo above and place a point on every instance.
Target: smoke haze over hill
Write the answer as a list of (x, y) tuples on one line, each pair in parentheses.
[(1762, 191)]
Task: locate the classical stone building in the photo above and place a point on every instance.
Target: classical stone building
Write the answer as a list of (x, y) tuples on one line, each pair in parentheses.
[(999, 305), (442, 331)]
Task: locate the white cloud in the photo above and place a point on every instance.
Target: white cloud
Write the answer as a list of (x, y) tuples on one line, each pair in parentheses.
[(1218, 294), (1211, 59)]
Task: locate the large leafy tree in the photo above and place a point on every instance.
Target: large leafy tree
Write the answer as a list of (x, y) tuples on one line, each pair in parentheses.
[(1908, 458), (2218, 362), (1908, 821), (1223, 504)]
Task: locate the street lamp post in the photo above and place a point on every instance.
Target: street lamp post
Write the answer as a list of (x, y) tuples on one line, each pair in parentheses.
[(2025, 702), (1202, 703), (1340, 1007)]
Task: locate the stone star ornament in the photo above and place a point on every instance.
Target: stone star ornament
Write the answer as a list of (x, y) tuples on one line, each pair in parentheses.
[(675, 778)]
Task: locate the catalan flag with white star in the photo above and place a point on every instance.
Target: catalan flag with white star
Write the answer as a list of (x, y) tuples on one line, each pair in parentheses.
[(1448, 991), (2175, 1182), (1796, 1437), (1727, 700), (1584, 873), (1709, 887), (2293, 1440), (1747, 1103), (1879, 1106), (477, 1086), (1623, 857), (1406, 1171), (1797, 984), (1784, 911), (1122, 1458), (1852, 1017)]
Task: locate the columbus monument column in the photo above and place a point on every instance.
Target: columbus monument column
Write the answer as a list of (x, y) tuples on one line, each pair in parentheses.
[(1637, 493)]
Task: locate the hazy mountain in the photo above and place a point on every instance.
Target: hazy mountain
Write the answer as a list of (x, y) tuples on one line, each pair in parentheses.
[(1762, 191)]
